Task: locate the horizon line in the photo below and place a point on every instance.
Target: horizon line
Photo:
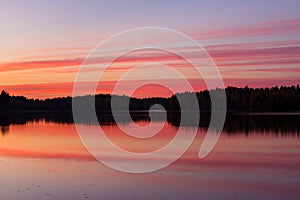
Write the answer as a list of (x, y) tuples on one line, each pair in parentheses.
[(132, 97)]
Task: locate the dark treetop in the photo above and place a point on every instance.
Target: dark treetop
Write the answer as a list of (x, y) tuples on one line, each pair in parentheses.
[(275, 99)]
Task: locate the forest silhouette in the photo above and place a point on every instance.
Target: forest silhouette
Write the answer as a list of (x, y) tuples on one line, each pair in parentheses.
[(246, 110), (275, 99)]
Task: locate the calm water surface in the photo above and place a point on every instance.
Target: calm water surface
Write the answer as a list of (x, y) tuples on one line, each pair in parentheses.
[(257, 157)]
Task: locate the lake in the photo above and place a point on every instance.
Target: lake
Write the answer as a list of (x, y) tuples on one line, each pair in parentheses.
[(256, 157)]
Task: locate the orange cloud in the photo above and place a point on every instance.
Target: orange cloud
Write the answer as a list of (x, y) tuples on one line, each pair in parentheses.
[(244, 62)]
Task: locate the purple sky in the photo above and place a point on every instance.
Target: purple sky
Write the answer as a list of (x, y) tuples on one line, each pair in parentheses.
[(43, 42)]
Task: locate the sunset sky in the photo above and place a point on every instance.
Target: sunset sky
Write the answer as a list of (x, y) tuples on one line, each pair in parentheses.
[(43, 43)]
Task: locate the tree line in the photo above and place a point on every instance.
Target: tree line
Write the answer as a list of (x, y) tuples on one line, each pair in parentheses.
[(275, 99)]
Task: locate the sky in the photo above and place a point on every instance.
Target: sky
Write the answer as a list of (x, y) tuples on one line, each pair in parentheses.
[(43, 43)]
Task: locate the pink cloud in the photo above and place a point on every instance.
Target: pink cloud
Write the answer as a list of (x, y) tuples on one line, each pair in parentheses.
[(26, 65), (263, 29), (243, 60)]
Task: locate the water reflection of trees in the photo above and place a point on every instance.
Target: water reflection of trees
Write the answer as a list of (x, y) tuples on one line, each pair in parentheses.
[(4, 123), (266, 124), (263, 123), (285, 124), (4, 130)]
